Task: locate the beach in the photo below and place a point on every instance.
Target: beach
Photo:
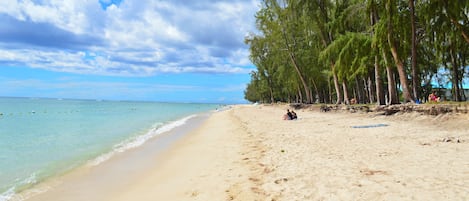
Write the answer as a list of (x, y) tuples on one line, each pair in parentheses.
[(248, 152)]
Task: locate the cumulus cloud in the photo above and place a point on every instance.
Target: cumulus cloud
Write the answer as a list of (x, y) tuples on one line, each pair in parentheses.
[(131, 38)]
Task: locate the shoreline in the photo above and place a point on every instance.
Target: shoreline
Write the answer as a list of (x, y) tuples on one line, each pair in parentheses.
[(111, 164), (46, 138), (248, 152)]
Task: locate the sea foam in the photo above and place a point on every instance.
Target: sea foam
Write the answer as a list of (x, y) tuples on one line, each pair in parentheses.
[(11, 195), (139, 140)]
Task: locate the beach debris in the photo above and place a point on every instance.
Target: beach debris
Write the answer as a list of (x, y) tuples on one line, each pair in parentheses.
[(268, 170), (325, 108), (369, 172), (354, 109), (254, 179), (194, 193), (451, 139), (257, 190), (370, 126), (278, 181), (421, 108), (425, 144), (387, 110), (384, 154)]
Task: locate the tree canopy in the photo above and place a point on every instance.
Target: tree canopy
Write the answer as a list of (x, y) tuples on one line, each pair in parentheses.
[(371, 51)]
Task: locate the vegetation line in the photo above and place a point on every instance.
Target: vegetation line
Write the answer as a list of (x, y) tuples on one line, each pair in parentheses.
[(359, 51)]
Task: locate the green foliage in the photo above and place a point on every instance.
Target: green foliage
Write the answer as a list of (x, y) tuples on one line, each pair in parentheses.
[(303, 43)]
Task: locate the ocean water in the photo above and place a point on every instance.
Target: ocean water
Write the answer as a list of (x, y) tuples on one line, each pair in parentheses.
[(42, 138)]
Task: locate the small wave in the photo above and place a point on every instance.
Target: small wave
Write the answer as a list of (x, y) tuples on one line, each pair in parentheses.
[(10, 194), (7, 195), (139, 140)]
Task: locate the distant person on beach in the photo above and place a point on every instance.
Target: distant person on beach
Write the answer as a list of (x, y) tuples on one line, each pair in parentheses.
[(288, 115), (433, 98), (293, 115)]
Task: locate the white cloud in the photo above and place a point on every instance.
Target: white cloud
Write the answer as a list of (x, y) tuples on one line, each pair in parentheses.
[(68, 15), (134, 38), (11, 7)]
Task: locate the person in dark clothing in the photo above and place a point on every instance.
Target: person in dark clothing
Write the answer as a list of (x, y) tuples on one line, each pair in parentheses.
[(288, 115), (293, 115)]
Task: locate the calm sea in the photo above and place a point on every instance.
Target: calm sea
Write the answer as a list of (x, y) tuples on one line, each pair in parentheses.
[(42, 138)]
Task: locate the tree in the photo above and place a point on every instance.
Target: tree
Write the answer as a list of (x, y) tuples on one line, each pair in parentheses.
[(415, 77), (373, 9), (390, 11), (315, 50)]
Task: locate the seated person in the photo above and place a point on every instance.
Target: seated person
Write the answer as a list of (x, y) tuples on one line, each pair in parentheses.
[(293, 115), (433, 98), (288, 115)]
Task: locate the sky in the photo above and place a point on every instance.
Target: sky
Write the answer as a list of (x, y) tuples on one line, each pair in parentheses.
[(150, 50)]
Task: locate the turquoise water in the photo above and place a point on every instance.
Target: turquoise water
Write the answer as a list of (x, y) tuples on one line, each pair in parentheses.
[(41, 138)]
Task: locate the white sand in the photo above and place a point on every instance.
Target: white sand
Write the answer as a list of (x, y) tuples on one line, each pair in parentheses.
[(249, 153), (322, 157)]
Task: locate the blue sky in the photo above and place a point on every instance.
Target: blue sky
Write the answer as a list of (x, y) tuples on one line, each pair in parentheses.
[(184, 51)]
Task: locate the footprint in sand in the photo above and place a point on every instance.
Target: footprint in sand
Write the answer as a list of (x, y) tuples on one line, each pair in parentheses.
[(194, 193), (278, 181)]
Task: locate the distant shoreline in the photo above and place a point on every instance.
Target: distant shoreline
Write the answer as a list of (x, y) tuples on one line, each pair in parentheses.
[(117, 100)]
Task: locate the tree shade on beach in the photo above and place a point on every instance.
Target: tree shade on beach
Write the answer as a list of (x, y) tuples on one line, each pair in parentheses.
[(372, 51)]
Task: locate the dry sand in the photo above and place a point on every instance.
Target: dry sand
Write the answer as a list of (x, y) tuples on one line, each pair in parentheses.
[(249, 153), (323, 157)]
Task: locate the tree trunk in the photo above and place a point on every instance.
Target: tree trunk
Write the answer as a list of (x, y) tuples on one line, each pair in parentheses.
[(359, 90), (330, 90), (295, 65), (271, 91), (395, 54), (455, 72), (305, 85), (379, 84), (337, 88), (463, 61), (402, 74), (392, 92), (346, 98), (462, 94), (415, 77), (370, 90), (316, 90), (366, 88), (271, 95), (299, 97), (378, 81)]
